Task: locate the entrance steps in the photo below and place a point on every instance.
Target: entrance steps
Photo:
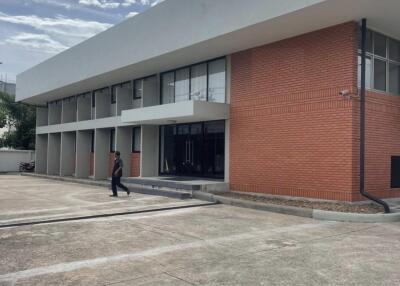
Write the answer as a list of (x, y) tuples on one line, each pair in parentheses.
[(157, 186), (187, 184)]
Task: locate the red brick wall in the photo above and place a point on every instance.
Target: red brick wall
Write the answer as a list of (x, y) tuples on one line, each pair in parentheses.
[(291, 132), (135, 164), (111, 158), (382, 142)]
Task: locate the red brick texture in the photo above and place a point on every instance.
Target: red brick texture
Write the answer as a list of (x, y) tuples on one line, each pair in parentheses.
[(135, 164), (291, 132), (382, 142), (111, 158)]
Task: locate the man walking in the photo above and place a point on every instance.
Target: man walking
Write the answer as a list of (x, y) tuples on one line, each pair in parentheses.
[(116, 175)]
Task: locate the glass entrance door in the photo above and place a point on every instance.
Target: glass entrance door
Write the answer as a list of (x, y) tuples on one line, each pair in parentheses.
[(195, 149)]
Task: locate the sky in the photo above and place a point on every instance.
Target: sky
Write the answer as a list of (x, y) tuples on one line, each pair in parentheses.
[(32, 31)]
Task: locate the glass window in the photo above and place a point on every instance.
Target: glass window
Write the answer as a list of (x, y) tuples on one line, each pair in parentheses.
[(199, 82), (394, 50), (380, 45), (380, 75), (112, 140), (216, 81), (182, 85), (367, 72), (139, 83), (168, 87), (136, 139), (394, 78)]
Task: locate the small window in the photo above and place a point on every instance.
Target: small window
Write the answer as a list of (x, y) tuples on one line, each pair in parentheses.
[(182, 85), (168, 87), (138, 91), (136, 138), (395, 172), (198, 82), (380, 45), (93, 100), (368, 72), (380, 75), (394, 78), (113, 96), (92, 144), (112, 140), (394, 50)]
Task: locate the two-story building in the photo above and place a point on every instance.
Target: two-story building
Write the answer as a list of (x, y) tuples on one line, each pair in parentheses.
[(262, 94)]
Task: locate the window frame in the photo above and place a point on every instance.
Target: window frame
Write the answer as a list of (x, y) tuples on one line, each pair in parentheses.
[(133, 150), (388, 61), (207, 62)]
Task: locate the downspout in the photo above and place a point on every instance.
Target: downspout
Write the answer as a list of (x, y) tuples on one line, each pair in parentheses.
[(362, 119)]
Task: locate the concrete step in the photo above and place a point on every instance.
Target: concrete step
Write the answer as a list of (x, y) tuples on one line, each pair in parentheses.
[(160, 183), (135, 188)]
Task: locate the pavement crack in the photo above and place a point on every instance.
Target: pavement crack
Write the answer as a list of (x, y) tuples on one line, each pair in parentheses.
[(179, 278)]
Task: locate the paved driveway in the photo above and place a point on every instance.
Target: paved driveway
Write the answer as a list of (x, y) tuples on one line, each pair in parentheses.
[(206, 245)]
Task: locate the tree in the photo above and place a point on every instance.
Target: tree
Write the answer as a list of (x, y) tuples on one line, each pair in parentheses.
[(20, 121)]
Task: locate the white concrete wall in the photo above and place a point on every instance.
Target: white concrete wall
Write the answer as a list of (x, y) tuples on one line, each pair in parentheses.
[(69, 110), (84, 107), (124, 99), (10, 159), (83, 146), (54, 112), (41, 154), (53, 154), (101, 153), (68, 156), (150, 149), (123, 145), (42, 116)]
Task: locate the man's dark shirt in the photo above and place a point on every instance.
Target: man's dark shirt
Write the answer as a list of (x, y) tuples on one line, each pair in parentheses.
[(117, 163)]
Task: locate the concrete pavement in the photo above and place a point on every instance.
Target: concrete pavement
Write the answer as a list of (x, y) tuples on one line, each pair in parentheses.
[(209, 245)]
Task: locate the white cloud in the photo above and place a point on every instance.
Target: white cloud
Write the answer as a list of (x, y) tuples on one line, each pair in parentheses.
[(40, 42), (104, 4), (151, 3), (60, 26), (131, 14)]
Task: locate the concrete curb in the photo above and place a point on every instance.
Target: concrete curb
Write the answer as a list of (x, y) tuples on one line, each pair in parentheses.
[(106, 184), (302, 212)]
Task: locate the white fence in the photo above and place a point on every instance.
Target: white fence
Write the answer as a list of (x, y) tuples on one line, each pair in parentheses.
[(10, 159)]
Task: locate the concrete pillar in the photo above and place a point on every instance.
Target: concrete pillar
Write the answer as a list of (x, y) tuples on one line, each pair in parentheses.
[(124, 145), (42, 116), (103, 103), (53, 154), (41, 154), (54, 112), (83, 147), (227, 134), (68, 155), (101, 153), (150, 149), (84, 108), (68, 110), (124, 98), (151, 91)]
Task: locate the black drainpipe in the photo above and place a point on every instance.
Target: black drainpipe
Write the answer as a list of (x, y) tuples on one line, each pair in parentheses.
[(362, 120)]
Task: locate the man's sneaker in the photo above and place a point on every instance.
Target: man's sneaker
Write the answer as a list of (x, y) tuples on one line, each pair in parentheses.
[(113, 195), (128, 192)]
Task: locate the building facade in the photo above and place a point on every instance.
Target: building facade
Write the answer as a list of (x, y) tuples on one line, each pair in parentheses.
[(267, 101)]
